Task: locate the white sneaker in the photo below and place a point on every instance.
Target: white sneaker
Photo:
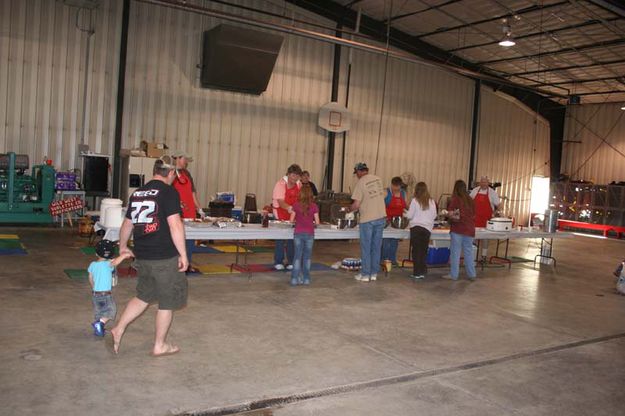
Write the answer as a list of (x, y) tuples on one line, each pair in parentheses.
[(279, 267), (418, 276), (289, 267), (361, 278), (373, 277)]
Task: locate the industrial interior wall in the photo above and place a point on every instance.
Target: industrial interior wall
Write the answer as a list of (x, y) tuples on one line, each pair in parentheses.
[(600, 156), (513, 146), (240, 142), (424, 127), (42, 74)]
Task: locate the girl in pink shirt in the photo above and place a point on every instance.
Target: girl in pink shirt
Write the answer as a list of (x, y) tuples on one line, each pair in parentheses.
[(306, 215)]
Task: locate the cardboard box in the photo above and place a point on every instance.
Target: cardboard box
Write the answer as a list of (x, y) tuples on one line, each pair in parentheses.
[(154, 149)]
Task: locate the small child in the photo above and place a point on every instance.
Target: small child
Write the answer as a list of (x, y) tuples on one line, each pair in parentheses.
[(101, 279), (305, 213)]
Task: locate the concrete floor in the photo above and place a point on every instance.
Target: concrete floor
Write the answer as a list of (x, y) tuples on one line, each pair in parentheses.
[(518, 342)]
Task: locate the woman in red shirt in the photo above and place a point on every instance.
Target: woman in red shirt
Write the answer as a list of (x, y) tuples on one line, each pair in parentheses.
[(395, 206), (462, 218)]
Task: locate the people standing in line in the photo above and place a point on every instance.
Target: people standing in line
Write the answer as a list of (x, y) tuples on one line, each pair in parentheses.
[(153, 218), (368, 197), (395, 202), (305, 215), (306, 181), (285, 194), (421, 214), (191, 208), (486, 204), (462, 218)]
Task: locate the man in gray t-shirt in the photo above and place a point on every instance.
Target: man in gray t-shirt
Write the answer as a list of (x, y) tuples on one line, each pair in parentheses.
[(368, 199)]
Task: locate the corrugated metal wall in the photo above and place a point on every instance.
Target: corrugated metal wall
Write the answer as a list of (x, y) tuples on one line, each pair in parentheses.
[(600, 157), (426, 122), (241, 143), (513, 147), (42, 70)]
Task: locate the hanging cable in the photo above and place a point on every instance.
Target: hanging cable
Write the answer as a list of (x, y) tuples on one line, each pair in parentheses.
[(386, 59)]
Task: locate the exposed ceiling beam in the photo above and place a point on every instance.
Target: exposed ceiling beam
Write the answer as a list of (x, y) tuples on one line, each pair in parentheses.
[(601, 93), (534, 34), (615, 7), (620, 79), (565, 68), (612, 42), (351, 3), (519, 12), (427, 9)]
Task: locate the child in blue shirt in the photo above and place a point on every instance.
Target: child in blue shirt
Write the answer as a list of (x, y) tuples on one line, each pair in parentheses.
[(101, 279)]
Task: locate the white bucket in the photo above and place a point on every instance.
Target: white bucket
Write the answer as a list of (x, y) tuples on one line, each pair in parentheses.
[(111, 212), (114, 217)]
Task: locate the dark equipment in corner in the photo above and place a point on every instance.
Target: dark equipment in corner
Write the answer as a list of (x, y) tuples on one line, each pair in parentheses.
[(25, 198), (238, 59)]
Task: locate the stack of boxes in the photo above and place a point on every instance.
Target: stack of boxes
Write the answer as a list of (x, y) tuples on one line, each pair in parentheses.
[(65, 181)]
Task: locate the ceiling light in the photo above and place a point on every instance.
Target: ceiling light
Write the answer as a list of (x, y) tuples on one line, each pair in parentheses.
[(507, 40)]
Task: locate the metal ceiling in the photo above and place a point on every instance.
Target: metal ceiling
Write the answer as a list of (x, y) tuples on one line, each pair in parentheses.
[(566, 47)]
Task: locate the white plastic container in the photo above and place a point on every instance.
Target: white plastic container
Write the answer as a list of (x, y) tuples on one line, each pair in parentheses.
[(111, 213)]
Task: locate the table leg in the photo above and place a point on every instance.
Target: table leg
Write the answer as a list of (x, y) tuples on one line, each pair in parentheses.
[(546, 247), (504, 259)]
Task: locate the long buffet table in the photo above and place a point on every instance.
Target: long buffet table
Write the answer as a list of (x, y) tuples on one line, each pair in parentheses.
[(207, 231)]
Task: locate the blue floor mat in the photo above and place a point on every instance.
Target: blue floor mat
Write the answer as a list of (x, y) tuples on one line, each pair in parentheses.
[(12, 252)]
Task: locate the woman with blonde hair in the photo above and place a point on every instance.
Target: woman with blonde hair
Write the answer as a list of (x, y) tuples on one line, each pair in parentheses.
[(421, 214), (462, 218)]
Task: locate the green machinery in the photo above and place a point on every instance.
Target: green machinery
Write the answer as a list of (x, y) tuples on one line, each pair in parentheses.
[(25, 198)]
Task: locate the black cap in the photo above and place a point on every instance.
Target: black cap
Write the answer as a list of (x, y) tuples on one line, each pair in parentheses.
[(105, 249)]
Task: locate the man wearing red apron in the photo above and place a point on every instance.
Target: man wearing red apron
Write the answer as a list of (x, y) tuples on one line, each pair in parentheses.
[(486, 203), (395, 202), (285, 194), (183, 183)]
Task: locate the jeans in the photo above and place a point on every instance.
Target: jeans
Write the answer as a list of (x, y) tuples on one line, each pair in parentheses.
[(190, 245), (420, 241), (389, 249), (303, 256), (462, 243), (371, 246), (278, 255), (104, 306)]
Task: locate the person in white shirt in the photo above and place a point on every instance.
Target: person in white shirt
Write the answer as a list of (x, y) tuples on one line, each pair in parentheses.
[(421, 216), (486, 204)]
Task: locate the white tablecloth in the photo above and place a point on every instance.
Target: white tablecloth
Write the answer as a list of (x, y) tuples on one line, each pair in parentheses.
[(203, 231)]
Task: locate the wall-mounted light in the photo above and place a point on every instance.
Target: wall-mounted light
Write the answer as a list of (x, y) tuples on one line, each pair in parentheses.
[(507, 39)]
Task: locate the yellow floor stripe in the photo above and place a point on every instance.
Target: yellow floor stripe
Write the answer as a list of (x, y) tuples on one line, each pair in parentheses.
[(9, 237), (215, 269)]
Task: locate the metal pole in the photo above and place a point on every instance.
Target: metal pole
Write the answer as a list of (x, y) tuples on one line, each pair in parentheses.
[(121, 85)]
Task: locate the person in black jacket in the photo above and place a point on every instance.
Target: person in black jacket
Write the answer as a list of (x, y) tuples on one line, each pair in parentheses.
[(306, 181)]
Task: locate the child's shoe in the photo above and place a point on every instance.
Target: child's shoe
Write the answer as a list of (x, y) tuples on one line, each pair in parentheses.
[(98, 328), (306, 282)]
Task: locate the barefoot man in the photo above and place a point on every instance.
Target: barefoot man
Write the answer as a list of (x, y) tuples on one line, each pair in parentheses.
[(153, 218)]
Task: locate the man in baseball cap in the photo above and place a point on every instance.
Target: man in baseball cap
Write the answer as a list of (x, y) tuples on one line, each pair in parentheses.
[(183, 183)]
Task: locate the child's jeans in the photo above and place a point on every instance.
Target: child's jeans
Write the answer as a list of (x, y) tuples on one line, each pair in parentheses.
[(302, 259), (104, 306)]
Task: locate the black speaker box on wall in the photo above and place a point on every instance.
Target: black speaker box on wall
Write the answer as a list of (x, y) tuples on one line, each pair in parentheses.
[(95, 175), (238, 59)]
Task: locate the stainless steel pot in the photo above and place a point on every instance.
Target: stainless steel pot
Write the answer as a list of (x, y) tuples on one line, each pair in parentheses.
[(399, 222), (252, 218), (342, 223)]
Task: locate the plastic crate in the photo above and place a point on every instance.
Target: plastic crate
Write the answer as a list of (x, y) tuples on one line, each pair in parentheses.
[(438, 255)]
